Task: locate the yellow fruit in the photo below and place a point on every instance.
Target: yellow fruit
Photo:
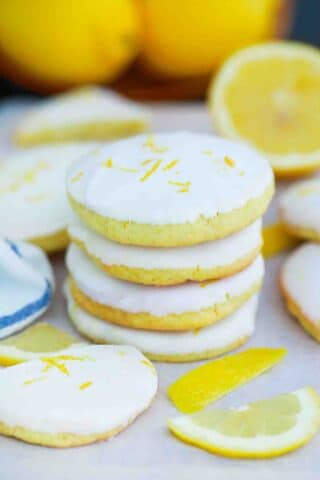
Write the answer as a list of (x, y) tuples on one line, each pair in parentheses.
[(263, 429), (63, 43), (269, 96), (209, 382), (188, 37), (39, 339), (276, 240)]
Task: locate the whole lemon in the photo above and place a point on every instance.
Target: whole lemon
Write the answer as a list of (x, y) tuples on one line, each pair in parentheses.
[(68, 42), (191, 37)]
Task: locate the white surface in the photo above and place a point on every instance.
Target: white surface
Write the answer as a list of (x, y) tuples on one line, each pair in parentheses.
[(146, 450)]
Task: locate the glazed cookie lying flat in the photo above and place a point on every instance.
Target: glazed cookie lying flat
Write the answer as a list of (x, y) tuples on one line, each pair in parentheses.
[(207, 342), (33, 203), (169, 266), (89, 395), (300, 209), (26, 285), (300, 280), (182, 307), (170, 190), (89, 113)]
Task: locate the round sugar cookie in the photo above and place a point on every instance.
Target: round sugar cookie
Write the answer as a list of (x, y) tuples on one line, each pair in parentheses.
[(26, 285), (171, 189), (169, 266), (300, 280), (189, 346), (33, 202), (90, 394), (300, 209), (179, 307), (87, 113)]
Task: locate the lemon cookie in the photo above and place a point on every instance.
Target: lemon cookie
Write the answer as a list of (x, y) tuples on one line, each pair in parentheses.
[(300, 209), (172, 189), (33, 203), (68, 400), (169, 266), (193, 345), (27, 284), (300, 280), (181, 307), (89, 113), (41, 339)]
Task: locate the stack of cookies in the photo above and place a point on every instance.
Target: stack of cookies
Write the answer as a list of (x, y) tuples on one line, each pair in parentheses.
[(165, 253)]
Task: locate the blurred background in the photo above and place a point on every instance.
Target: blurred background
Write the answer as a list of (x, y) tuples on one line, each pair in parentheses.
[(148, 50)]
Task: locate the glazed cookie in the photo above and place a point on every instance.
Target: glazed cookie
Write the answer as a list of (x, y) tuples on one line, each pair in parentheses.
[(33, 203), (27, 284), (194, 345), (300, 209), (170, 190), (169, 266), (64, 401), (300, 280), (182, 307), (89, 113)]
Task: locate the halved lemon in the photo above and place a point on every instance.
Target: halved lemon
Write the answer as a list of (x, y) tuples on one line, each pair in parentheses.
[(267, 428), (268, 95), (41, 338)]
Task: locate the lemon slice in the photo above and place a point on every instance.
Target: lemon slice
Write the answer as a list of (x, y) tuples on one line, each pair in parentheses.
[(211, 381), (267, 428), (276, 240), (269, 95), (33, 343)]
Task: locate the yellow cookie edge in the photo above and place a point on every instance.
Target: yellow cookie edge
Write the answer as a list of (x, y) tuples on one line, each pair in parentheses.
[(202, 230), (170, 276), (171, 322), (85, 132), (298, 313), (52, 243), (173, 358)]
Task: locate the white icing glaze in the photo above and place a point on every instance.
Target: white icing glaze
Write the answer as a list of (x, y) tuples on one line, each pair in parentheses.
[(82, 106), (300, 205), (229, 330), (33, 200), (166, 196), (301, 279), (204, 255), (26, 281), (159, 301), (51, 401)]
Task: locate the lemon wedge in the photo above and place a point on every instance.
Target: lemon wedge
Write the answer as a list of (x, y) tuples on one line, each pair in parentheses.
[(276, 240), (205, 384), (269, 96), (267, 428), (34, 342)]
